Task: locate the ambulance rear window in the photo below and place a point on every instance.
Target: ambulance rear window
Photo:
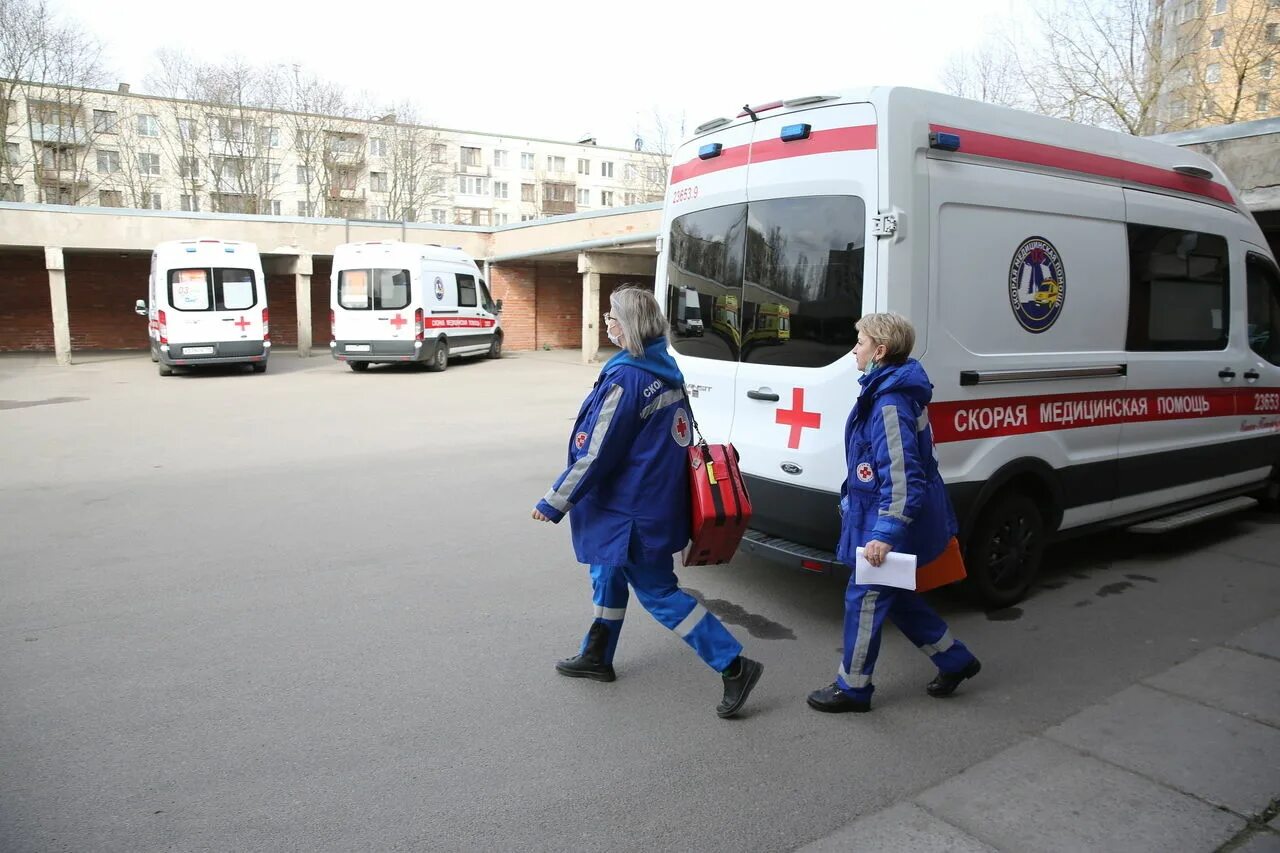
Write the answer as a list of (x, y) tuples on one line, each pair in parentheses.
[(373, 289), (778, 281), (212, 289)]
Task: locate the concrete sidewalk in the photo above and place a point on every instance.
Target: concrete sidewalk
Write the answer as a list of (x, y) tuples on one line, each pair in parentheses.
[(1186, 760)]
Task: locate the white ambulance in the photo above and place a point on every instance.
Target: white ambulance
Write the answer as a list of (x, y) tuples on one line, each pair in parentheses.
[(206, 304), (1099, 314), (396, 302)]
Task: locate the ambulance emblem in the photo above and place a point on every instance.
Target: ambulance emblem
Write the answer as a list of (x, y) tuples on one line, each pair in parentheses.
[(580, 440), (865, 472), (681, 430), (1037, 284), (439, 289)]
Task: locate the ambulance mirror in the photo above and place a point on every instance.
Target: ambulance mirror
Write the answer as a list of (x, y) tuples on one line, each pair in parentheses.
[(498, 307), (140, 308)]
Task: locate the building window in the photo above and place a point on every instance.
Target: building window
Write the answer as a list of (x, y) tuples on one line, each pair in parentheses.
[(11, 192), (108, 161), (606, 198), (306, 208), (501, 219), (584, 166), (189, 203), (439, 216), (527, 217), (555, 164), (304, 175), (378, 182), (653, 175), (377, 146), (1264, 102), (1219, 7), (105, 121), (438, 152), (11, 152), (584, 198), (273, 137), (1273, 33), (1213, 73), (526, 193), (151, 201), (378, 211), (526, 161), (148, 164), (148, 126), (629, 199), (468, 185), (187, 128), (500, 159), (1267, 69), (606, 170), (1217, 37), (470, 156), (630, 172), (110, 198), (500, 190), (10, 117), (188, 167)]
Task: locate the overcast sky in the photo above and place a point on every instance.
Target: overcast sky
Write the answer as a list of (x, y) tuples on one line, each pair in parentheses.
[(560, 69)]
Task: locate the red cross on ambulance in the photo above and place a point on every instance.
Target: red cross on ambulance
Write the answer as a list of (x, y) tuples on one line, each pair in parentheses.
[(797, 418), (242, 323), (398, 321)]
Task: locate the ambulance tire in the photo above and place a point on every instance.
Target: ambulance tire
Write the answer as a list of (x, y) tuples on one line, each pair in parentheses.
[(440, 358), (1003, 551), (495, 346), (154, 356), (165, 370), (358, 366)]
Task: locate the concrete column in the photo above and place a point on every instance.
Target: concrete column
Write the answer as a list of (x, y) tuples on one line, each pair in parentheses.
[(590, 316), (302, 283), (58, 300), (592, 265)]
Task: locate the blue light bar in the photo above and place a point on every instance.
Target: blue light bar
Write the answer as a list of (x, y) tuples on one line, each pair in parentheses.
[(944, 141), (710, 150), (792, 132), (228, 249), (191, 248)]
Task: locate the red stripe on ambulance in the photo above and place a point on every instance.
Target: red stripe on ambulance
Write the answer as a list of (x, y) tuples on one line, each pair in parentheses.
[(856, 138), (964, 421), (459, 322)]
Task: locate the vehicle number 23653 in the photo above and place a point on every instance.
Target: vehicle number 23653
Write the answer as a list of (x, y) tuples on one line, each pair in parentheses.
[(684, 194), (1267, 402)]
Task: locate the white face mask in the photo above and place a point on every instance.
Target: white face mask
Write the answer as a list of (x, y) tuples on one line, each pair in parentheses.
[(613, 339)]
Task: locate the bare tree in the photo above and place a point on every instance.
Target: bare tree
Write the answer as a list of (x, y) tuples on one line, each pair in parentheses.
[(987, 73), (1228, 76), (656, 141), (48, 64), (312, 104), (415, 178)]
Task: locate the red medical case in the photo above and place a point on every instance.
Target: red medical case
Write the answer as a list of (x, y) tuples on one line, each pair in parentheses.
[(720, 503)]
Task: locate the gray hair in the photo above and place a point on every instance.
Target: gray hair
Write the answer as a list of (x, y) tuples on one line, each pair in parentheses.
[(639, 315), (892, 330)]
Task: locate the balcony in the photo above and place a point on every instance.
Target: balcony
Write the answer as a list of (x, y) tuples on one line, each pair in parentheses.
[(345, 193), (59, 134), (477, 170), (555, 208)]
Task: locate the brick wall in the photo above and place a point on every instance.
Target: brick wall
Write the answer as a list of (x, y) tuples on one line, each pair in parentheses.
[(102, 288), (26, 316), (542, 303), (517, 287), (321, 331), (559, 306)]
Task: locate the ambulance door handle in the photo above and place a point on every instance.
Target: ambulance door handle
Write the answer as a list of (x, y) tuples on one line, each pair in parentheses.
[(763, 394), (1226, 374), (1252, 375)]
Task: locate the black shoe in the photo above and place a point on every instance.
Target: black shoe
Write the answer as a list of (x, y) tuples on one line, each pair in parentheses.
[(832, 700), (946, 682), (590, 663), (582, 666), (738, 687)]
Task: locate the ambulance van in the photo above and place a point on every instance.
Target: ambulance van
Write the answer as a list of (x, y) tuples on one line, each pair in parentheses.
[(1099, 314), (397, 302), (206, 304)]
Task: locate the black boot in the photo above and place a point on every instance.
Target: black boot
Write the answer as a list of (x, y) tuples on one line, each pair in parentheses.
[(832, 700), (739, 677), (946, 682), (590, 664)]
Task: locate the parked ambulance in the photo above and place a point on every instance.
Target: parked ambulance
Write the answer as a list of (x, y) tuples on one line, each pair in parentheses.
[(395, 302), (206, 304), (1099, 314)]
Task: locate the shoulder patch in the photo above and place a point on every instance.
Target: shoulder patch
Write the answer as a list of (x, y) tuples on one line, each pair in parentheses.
[(681, 429), (580, 440)]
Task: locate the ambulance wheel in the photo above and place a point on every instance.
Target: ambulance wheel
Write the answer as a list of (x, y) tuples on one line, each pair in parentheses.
[(1002, 556), (154, 357), (495, 347), (358, 366), (259, 367), (165, 370), (440, 358)]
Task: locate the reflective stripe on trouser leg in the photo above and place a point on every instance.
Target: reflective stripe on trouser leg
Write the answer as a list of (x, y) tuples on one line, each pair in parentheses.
[(922, 626), (609, 596), (656, 588), (864, 610)]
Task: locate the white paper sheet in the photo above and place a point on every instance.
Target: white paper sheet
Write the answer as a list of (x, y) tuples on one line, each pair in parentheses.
[(895, 570)]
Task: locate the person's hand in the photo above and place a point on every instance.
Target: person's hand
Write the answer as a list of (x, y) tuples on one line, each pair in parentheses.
[(875, 551), (538, 516)]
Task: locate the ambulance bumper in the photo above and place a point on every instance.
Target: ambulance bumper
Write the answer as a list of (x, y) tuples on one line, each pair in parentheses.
[(378, 351), (214, 352), (789, 553)]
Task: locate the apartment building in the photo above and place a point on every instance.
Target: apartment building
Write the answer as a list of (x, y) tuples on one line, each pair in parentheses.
[(1220, 59), (122, 149)]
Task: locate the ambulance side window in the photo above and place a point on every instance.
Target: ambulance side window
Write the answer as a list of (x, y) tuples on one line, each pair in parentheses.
[(466, 291), (1263, 287), (486, 301), (704, 279), (1178, 293)]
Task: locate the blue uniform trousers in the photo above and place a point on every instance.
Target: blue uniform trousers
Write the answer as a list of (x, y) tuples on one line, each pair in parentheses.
[(865, 608), (656, 588)]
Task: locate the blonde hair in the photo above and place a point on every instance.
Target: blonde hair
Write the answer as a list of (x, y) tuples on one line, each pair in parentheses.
[(639, 315), (892, 330)]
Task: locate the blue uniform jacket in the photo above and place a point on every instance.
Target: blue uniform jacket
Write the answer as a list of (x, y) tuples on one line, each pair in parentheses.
[(893, 492), (626, 487)]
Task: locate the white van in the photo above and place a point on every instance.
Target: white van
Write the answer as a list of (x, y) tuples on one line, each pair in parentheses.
[(394, 302), (206, 304), (1099, 314)]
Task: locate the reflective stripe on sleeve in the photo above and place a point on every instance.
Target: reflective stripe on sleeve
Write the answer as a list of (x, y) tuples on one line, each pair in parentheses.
[(667, 398), (559, 498), (897, 465)]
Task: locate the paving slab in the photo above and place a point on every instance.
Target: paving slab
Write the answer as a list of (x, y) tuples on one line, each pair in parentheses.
[(905, 826), (1044, 796), (1263, 841), (1262, 639), (1236, 681), (1219, 757)]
